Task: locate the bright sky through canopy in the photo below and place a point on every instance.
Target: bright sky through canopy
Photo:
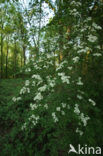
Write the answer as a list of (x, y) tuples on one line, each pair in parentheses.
[(46, 9)]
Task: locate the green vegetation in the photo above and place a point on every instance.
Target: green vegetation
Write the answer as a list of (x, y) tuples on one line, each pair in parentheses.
[(51, 78)]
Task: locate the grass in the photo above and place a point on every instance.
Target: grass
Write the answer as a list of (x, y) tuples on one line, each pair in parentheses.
[(8, 89)]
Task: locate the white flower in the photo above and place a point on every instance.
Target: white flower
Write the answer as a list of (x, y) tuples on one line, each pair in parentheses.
[(97, 54), (53, 114), (84, 119), (58, 109), (54, 117), (92, 102), (37, 77), (49, 55), (70, 68), (63, 105), (61, 74), (79, 131), (28, 90), (89, 19), (33, 106), (27, 82), (79, 81), (98, 47), (28, 70), (76, 59), (14, 99), (18, 98), (79, 97), (64, 78), (38, 97), (62, 112), (24, 90), (34, 117), (24, 126), (51, 83), (92, 38), (43, 88), (96, 26), (46, 106), (33, 83), (76, 109), (82, 51)]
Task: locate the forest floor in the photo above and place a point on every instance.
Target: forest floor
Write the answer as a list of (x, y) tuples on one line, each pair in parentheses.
[(9, 88)]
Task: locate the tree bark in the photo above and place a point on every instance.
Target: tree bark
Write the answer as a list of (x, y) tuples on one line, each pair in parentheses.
[(1, 55), (7, 58), (24, 54)]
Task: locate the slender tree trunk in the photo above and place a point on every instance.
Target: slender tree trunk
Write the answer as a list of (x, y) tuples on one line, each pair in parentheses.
[(39, 28), (15, 50), (24, 54), (60, 32), (1, 55), (7, 58), (21, 60)]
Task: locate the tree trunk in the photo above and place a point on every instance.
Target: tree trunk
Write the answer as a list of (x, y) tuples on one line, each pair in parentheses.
[(15, 59), (7, 58), (24, 55), (1, 55), (39, 28)]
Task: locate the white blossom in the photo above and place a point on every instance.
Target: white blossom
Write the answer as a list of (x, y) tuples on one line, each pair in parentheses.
[(33, 106), (92, 38), (79, 97), (46, 106), (92, 102), (24, 90), (63, 105), (64, 78), (62, 112), (43, 88), (28, 70), (97, 54), (38, 97), (54, 117), (79, 81), (27, 82), (70, 68), (33, 83), (79, 131), (34, 119), (58, 109), (14, 99), (96, 26), (24, 126), (18, 98), (76, 109), (76, 59), (84, 119), (37, 77)]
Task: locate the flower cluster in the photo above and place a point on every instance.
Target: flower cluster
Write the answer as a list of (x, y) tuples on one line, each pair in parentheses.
[(92, 102), (14, 99), (24, 90), (55, 117), (64, 78)]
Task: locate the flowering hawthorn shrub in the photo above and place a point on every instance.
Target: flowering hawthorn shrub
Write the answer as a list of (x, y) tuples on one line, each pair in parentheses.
[(53, 105)]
